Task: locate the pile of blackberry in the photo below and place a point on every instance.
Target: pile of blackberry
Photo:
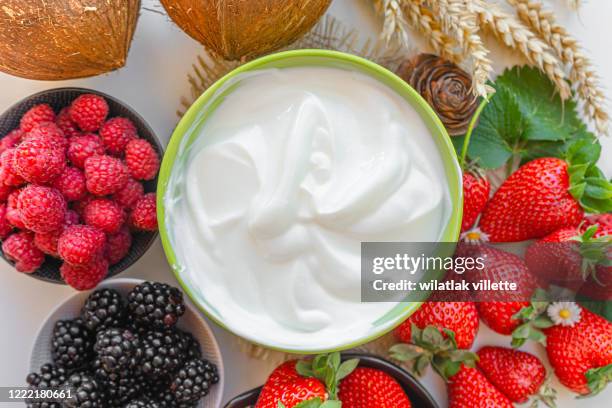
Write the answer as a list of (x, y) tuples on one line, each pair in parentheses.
[(126, 353)]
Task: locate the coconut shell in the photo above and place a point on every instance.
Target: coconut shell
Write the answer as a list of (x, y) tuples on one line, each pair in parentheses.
[(237, 29), (64, 39)]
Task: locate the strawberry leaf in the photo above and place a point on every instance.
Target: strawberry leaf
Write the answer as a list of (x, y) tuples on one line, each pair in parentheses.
[(346, 368), (598, 378), (312, 403), (526, 118)]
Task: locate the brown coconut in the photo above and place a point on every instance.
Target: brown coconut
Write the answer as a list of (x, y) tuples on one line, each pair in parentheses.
[(63, 39), (237, 29)]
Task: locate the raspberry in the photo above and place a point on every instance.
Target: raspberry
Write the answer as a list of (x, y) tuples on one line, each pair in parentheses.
[(104, 214), (84, 277), (5, 227), (80, 244), (89, 111), (11, 139), (128, 195), (13, 214), (118, 245), (66, 124), (80, 148), (20, 249), (116, 133), (47, 242), (42, 208), (8, 173), (50, 131), (37, 114), (105, 175), (38, 160), (71, 183), (79, 206), (144, 215), (141, 158), (5, 191)]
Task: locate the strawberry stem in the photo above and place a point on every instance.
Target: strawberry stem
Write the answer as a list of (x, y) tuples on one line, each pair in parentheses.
[(329, 369), (468, 135)]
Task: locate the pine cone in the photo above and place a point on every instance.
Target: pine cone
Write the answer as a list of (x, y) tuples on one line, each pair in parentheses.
[(445, 86)]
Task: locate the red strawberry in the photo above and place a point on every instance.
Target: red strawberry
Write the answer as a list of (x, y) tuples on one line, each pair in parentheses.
[(460, 317), (469, 388), (370, 388), (438, 334), (295, 382), (604, 221), (289, 388), (531, 203), (499, 316), (518, 375), (574, 260), (476, 189), (581, 355)]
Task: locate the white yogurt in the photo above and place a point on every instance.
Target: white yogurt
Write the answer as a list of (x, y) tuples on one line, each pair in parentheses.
[(287, 177)]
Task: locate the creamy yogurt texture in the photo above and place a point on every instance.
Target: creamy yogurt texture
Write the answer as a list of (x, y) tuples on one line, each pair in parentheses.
[(293, 170)]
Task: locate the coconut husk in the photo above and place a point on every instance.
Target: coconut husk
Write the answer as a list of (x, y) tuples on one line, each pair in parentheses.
[(64, 39), (328, 34), (236, 29)]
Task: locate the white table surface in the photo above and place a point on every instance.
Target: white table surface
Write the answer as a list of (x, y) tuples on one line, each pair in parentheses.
[(153, 82)]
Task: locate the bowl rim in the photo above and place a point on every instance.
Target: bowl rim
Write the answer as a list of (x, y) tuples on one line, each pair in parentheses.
[(431, 119), (143, 122), (110, 283)]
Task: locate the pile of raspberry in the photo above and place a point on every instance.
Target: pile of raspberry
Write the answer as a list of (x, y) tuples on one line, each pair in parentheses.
[(71, 188)]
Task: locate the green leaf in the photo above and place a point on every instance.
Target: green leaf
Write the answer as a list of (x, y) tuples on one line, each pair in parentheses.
[(405, 352), (598, 378), (304, 368), (602, 308), (346, 368), (331, 404), (526, 117), (280, 405), (311, 403)]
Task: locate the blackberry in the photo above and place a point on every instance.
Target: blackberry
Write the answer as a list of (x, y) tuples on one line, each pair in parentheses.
[(193, 381), (163, 352), (118, 350), (192, 346), (49, 376), (156, 304), (166, 399), (71, 344), (103, 309), (85, 391), (142, 403), (118, 388)]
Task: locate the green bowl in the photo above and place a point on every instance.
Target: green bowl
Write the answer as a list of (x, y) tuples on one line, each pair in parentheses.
[(187, 130)]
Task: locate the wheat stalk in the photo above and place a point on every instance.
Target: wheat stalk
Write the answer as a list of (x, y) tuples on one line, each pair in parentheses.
[(459, 21), (395, 24), (581, 72), (516, 35)]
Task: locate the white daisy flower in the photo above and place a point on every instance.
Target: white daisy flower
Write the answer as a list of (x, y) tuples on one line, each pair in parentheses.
[(474, 236), (564, 313)]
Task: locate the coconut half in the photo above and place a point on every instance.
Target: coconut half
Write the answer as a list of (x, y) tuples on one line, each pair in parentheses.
[(237, 29), (64, 39)]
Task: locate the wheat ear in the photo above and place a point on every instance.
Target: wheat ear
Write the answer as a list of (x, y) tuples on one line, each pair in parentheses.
[(394, 24), (516, 35), (461, 24), (423, 20), (581, 72)]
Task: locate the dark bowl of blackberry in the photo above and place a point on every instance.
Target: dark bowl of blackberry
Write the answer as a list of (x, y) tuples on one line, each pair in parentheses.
[(128, 344)]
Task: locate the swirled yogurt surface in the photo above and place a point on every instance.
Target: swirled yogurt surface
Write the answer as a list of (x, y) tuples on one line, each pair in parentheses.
[(291, 172)]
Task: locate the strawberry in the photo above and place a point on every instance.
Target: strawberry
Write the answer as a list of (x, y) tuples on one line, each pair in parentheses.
[(581, 355), (438, 334), (518, 375), (576, 259), (312, 382), (371, 388), (469, 388), (497, 309), (548, 194), (476, 189)]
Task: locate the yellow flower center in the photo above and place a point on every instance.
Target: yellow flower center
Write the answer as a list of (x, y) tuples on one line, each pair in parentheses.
[(565, 314), (473, 235)]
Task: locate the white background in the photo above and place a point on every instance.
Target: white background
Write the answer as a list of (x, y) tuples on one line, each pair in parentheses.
[(153, 82)]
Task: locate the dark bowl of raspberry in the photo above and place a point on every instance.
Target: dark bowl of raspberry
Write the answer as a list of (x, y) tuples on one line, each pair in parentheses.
[(59, 99)]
